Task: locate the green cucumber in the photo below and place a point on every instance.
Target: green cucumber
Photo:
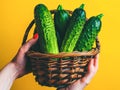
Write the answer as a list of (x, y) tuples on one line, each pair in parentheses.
[(61, 19), (46, 29), (59, 39), (90, 32), (74, 29)]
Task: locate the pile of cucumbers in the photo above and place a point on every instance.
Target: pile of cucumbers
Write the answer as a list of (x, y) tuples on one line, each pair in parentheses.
[(65, 32)]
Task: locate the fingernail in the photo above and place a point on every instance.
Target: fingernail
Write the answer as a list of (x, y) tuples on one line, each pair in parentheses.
[(35, 36)]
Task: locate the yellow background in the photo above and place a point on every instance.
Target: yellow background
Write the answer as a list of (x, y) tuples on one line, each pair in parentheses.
[(15, 15)]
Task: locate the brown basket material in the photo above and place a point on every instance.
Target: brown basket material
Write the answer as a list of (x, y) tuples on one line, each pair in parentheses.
[(59, 70)]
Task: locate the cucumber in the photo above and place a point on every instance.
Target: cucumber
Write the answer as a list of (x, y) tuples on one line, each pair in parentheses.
[(59, 39), (74, 29), (61, 19), (46, 29), (90, 32)]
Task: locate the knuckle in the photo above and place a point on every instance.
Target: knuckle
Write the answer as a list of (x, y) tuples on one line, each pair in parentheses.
[(21, 50)]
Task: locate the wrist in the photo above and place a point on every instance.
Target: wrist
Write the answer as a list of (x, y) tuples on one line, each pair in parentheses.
[(14, 70), (7, 76)]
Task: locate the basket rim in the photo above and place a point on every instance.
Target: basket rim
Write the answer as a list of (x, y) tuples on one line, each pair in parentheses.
[(92, 52)]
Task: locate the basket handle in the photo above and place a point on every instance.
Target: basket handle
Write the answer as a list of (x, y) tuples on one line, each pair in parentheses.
[(97, 44), (27, 31), (53, 11)]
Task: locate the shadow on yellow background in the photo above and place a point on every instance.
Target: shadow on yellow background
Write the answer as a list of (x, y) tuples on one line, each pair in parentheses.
[(16, 15)]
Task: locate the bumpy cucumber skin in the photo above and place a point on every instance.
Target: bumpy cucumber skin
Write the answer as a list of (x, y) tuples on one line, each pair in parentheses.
[(61, 19), (46, 29), (88, 35), (74, 29)]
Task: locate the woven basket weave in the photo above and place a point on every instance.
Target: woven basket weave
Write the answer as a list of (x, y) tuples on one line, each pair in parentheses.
[(59, 70)]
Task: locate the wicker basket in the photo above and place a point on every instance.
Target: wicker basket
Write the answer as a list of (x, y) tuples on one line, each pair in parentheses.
[(59, 70)]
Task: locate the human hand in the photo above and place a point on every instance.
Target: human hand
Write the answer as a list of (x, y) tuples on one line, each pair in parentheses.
[(20, 60), (80, 84)]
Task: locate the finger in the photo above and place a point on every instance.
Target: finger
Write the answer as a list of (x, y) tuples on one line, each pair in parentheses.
[(29, 43), (96, 59), (92, 68), (86, 79), (90, 65)]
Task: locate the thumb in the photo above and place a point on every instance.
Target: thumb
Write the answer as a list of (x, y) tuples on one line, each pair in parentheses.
[(29, 43)]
